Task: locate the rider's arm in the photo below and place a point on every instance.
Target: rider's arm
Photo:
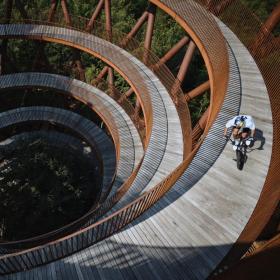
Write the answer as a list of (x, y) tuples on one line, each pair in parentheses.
[(229, 124), (225, 131)]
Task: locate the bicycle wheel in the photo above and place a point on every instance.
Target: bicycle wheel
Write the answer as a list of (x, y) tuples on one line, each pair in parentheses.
[(239, 159)]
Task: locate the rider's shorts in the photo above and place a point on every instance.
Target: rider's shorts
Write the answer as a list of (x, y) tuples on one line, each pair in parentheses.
[(244, 129)]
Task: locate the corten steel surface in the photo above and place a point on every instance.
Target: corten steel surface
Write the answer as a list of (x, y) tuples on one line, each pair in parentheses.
[(215, 54), (139, 87), (194, 19), (262, 264)]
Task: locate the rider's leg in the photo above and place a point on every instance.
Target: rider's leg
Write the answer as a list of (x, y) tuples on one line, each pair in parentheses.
[(245, 135)]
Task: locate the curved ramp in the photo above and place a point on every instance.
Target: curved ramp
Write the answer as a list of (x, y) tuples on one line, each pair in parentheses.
[(96, 138), (164, 151), (168, 244), (130, 146), (189, 231), (56, 139)]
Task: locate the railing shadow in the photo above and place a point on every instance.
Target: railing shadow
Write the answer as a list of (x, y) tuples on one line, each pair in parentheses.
[(121, 259), (260, 139)]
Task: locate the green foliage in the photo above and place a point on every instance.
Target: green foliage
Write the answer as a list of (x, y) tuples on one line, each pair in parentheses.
[(262, 8), (43, 188), (166, 33), (198, 106)]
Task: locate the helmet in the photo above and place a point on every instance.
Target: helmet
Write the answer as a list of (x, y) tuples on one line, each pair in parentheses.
[(239, 124), (240, 121)]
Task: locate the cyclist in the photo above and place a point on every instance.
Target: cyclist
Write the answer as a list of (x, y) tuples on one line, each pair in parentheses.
[(243, 126)]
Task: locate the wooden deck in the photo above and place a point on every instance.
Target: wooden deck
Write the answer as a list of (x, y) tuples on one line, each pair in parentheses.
[(89, 131), (164, 151), (56, 139), (130, 146), (187, 233)]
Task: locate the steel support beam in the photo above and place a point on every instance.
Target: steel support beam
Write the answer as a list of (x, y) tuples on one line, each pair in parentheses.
[(108, 19), (101, 75), (65, 12), (172, 52), (52, 10), (150, 26), (183, 70), (126, 95), (110, 80), (94, 16), (136, 28), (264, 42), (197, 91), (149, 32), (186, 62)]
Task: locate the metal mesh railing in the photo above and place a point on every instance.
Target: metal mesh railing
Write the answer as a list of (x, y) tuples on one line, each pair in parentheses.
[(265, 49), (217, 61), (136, 49)]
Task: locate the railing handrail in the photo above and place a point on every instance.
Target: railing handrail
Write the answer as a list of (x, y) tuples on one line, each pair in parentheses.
[(122, 217)]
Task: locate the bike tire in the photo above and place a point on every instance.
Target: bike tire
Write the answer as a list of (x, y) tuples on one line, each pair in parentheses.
[(239, 159)]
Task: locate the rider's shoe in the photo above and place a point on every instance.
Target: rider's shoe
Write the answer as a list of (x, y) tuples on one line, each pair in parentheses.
[(250, 142)]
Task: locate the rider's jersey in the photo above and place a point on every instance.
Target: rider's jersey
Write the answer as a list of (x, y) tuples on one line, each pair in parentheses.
[(248, 122)]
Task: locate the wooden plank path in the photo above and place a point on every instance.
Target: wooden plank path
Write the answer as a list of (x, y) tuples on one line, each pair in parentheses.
[(187, 233), (89, 131), (130, 147), (164, 151), (56, 139)]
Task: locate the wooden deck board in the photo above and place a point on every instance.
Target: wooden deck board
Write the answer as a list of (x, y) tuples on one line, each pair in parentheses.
[(145, 82), (200, 219), (131, 150)]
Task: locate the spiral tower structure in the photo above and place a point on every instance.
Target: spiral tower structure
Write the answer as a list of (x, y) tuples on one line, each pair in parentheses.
[(171, 203)]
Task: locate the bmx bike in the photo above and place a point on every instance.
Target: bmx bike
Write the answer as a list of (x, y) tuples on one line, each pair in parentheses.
[(241, 150)]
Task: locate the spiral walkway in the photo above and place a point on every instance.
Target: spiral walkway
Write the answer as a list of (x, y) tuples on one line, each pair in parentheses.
[(173, 211), (130, 146)]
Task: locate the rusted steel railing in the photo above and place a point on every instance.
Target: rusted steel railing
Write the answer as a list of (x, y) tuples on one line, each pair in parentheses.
[(215, 54), (135, 48), (266, 53)]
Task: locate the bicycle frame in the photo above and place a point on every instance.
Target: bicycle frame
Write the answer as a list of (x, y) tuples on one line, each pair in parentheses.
[(241, 152)]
